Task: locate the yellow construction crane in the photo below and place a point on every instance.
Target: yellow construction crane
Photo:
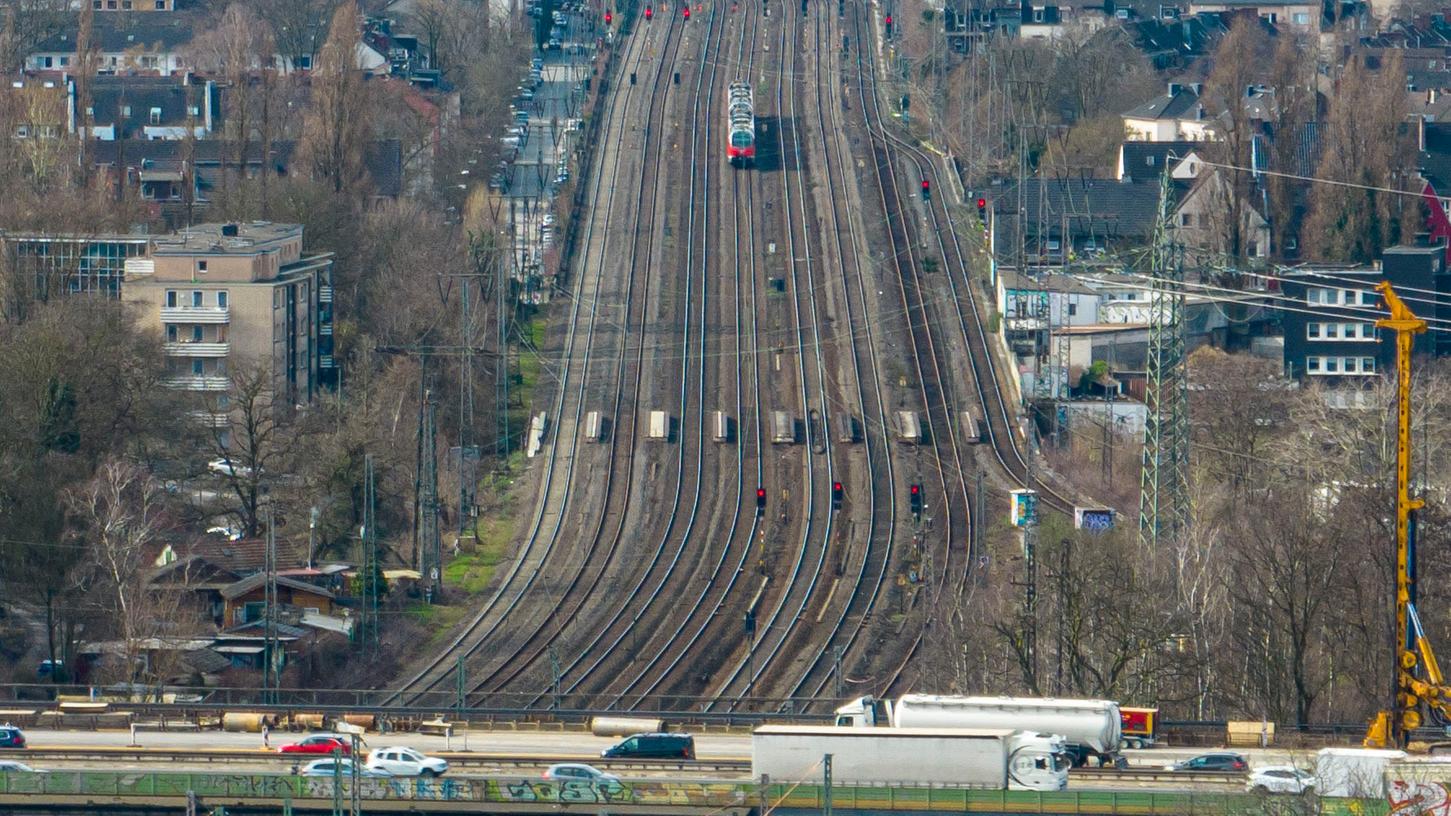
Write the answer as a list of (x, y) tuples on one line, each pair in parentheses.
[(1418, 680)]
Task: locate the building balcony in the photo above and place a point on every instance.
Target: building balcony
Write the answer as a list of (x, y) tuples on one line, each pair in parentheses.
[(188, 348), (196, 314), (208, 419), (199, 382)]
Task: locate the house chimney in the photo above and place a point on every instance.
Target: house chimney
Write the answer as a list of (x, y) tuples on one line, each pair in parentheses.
[(229, 230), (1174, 88)]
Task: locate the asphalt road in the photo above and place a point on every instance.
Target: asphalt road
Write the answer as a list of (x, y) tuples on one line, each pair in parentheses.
[(569, 744)]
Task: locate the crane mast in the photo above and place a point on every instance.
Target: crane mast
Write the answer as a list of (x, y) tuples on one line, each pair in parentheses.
[(1417, 677)]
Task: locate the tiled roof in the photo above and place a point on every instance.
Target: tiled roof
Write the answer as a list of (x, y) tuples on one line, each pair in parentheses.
[(172, 96), (150, 32), (1146, 160), (1183, 104), (246, 585), (383, 158)]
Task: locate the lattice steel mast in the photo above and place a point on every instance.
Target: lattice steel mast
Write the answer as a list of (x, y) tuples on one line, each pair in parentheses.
[(1163, 487)]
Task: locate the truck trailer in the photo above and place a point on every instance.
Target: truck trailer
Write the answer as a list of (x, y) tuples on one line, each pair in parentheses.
[(994, 759), (1090, 728)]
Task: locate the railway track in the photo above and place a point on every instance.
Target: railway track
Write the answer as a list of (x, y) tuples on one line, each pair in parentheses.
[(670, 659), (522, 666), (482, 627), (864, 344), (600, 661)]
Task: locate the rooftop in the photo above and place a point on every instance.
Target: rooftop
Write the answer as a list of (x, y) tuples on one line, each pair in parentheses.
[(1180, 102), (242, 238)]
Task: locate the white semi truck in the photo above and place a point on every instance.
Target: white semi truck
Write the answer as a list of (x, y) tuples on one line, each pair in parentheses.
[(975, 758), (1090, 728)]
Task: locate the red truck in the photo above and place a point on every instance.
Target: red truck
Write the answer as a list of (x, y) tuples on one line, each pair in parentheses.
[(1140, 726)]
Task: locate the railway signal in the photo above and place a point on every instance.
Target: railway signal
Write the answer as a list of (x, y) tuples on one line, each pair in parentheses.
[(687, 12), (609, 19), (649, 13), (836, 495), (760, 501), (982, 208), (926, 190), (889, 26), (915, 495)]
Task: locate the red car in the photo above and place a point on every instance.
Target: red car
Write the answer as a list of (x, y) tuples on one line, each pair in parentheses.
[(321, 744)]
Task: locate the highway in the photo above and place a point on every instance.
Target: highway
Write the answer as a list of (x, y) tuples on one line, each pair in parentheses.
[(523, 745)]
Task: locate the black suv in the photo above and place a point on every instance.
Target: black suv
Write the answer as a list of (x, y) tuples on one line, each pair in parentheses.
[(652, 746), (11, 737)]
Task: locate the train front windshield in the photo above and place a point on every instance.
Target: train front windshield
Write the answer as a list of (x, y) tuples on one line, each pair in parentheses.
[(741, 139)]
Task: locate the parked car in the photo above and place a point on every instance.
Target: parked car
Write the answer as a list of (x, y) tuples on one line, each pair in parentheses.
[(340, 767), (1217, 761), (578, 771), (403, 761), (653, 746), (226, 467), (11, 766), (1280, 779), (319, 744), (11, 737)]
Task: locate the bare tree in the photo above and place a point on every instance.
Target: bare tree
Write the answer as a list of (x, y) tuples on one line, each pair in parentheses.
[(335, 135), (118, 517), (1367, 148), (250, 446), (1237, 64)]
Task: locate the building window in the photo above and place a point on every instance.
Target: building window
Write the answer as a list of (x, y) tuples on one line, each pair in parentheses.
[(1368, 298), (196, 298), (1349, 364), (64, 61), (171, 298), (1312, 365), (201, 266), (1312, 331), (1332, 331), (1331, 365), (1072, 309), (196, 334), (125, 110), (196, 367), (222, 300), (1301, 18), (156, 116), (171, 333), (1186, 220)]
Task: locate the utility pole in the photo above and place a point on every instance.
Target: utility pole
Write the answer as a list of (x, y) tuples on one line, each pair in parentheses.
[(1163, 487), (430, 548), (461, 681), (826, 785), (368, 626), (271, 681), (840, 686)]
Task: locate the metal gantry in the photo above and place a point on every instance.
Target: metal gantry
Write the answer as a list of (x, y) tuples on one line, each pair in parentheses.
[(1163, 486)]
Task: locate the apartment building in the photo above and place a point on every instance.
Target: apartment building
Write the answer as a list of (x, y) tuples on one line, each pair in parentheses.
[(226, 297), (1331, 336)]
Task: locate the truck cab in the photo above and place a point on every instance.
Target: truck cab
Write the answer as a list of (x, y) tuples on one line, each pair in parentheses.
[(863, 712)]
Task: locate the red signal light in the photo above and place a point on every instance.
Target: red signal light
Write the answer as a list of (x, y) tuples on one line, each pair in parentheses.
[(836, 486), (889, 19), (916, 489), (982, 203), (649, 12), (609, 18), (687, 12)]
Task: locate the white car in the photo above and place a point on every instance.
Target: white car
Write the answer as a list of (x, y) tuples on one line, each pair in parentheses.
[(578, 772), (11, 766), (225, 467), (324, 767), (1280, 779), (402, 761)]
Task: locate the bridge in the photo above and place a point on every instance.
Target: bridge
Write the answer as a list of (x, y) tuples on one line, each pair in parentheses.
[(131, 792)]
